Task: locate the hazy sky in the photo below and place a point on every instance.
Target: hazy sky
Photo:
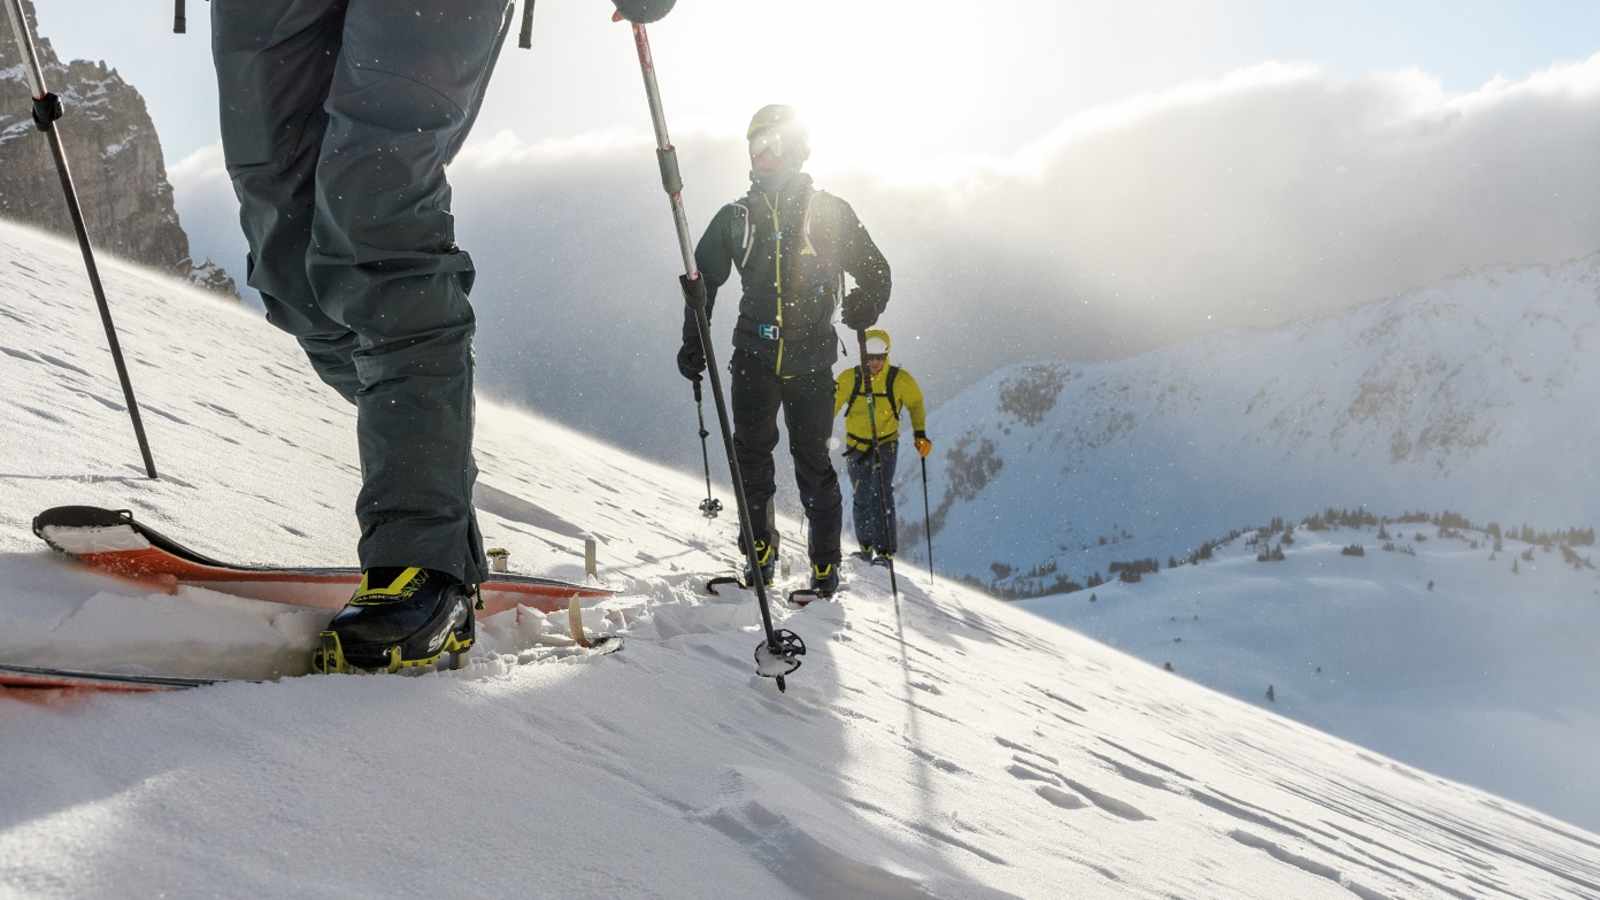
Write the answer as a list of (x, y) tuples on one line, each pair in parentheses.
[(884, 88), (1049, 179)]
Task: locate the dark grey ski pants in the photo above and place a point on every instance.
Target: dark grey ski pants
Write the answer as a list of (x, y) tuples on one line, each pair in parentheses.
[(338, 117), (806, 402)]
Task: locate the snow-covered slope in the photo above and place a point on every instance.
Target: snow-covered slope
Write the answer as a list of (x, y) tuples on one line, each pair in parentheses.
[(942, 745), (1440, 651), (1466, 396)]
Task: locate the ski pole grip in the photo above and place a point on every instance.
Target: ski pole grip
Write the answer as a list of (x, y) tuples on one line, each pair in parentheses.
[(180, 22), (694, 291), (698, 396), (46, 110), (670, 178), (525, 39)]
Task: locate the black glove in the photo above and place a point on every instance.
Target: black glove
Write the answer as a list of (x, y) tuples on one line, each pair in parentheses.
[(691, 360), (643, 11), (857, 311)]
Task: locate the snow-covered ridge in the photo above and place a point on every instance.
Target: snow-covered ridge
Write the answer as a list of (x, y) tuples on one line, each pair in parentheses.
[(1466, 396), (1464, 651), (941, 745)]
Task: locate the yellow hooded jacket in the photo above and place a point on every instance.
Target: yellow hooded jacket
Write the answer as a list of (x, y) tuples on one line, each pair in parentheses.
[(857, 424)]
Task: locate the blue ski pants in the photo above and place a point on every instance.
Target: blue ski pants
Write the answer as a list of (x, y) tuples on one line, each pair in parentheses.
[(874, 512)]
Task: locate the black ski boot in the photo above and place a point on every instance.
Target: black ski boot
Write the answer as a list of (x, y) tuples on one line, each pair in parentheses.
[(825, 579), (399, 619), (766, 561)]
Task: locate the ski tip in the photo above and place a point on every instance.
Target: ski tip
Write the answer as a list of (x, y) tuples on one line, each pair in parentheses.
[(711, 586), (800, 599)]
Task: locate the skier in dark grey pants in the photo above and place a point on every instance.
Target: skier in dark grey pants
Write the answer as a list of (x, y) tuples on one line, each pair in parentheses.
[(338, 117), (790, 244)]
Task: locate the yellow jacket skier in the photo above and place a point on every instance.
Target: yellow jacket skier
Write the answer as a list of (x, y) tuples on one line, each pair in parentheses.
[(872, 475)]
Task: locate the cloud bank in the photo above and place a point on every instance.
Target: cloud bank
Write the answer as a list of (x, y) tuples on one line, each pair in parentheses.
[(1276, 193)]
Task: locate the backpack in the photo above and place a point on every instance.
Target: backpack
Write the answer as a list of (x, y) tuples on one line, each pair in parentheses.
[(743, 229), (888, 390)]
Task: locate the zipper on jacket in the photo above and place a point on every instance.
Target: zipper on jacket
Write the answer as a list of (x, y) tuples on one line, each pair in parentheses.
[(777, 274)]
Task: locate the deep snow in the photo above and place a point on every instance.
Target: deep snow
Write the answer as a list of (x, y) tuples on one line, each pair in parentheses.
[(942, 745)]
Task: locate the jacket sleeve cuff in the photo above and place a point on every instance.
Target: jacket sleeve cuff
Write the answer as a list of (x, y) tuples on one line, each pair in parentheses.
[(920, 435)]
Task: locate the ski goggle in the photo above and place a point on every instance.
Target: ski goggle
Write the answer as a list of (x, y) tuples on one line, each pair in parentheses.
[(769, 141)]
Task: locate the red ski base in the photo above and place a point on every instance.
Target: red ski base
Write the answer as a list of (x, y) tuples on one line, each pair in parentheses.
[(113, 542)]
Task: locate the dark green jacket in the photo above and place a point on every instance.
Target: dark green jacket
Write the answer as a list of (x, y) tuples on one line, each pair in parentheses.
[(790, 250)]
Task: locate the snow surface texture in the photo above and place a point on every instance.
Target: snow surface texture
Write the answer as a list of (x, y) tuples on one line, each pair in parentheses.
[(1480, 669), (946, 745), (1465, 396)]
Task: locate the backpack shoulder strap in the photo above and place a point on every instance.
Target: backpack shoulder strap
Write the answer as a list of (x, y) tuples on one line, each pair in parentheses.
[(855, 391), (741, 234), (827, 209), (894, 372)]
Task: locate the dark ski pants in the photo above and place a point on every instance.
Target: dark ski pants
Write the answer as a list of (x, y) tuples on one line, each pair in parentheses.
[(338, 117), (807, 405), (874, 512)]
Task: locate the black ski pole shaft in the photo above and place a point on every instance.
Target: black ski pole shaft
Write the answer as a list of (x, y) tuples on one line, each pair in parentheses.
[(710, 505), (927, 519), (46, 110), (525, 39), (672, 181), (877, 460), (180, 22)]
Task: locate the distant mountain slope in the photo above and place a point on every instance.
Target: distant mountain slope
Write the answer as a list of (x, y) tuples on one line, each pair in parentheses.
[(1471, 395)]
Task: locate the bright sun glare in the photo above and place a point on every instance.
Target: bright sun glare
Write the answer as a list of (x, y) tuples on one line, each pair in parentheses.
[(879, 94)]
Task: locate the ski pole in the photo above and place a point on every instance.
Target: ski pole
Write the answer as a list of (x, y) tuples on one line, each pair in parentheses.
[(710, 506), (525, 39), (47, 109), (783, 647), (877, 459), (180, 22), (927, 520)]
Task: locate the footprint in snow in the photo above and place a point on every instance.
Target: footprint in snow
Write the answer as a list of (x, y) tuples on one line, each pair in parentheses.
[(1135, 775), (48, 417), (63, 364), (1021, 771), (1059, 797)]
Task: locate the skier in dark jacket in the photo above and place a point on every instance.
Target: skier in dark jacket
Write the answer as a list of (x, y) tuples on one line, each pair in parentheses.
[(791, 244), (338, 118)]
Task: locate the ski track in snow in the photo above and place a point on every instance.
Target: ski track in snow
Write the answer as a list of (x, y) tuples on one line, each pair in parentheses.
[(941, 745)]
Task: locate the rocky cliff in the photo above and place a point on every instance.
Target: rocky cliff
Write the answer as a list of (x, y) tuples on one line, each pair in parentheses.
[(115, 158)]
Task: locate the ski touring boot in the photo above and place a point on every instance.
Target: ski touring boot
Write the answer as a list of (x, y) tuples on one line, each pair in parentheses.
[(825, 579), (398, 619), (824, 584), (765, 562)]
